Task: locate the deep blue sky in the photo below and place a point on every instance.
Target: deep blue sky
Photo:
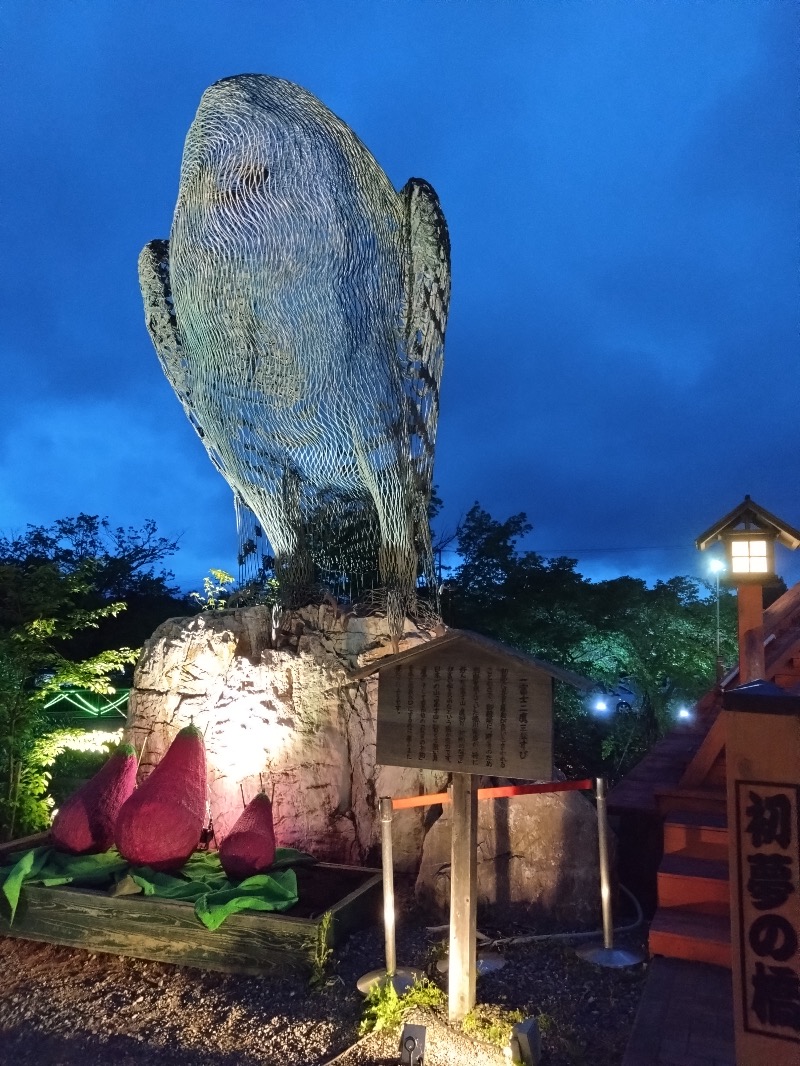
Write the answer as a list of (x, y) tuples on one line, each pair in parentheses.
[(620, 181)]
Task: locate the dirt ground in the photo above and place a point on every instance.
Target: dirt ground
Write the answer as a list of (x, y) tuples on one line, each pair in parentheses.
[(68, 1007)]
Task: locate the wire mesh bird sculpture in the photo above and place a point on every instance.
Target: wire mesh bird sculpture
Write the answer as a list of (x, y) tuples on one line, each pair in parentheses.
[(298, 310)]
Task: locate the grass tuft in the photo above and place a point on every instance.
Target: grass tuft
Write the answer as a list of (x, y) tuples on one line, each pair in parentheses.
[(384, 1009), (492, 1024)]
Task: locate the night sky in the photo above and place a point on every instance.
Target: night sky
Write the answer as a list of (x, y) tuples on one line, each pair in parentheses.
[(620, 181)]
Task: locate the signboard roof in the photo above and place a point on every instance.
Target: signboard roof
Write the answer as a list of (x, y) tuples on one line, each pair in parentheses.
[(464, 638)]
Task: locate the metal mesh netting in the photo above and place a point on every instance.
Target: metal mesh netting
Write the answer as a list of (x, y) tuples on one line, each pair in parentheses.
[(298, 310)]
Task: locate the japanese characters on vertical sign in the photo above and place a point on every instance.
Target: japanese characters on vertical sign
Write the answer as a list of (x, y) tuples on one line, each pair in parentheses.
[(768, 861), (468, 712)]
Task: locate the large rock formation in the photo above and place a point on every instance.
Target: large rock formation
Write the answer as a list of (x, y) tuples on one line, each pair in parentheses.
[(537, 861), (278, 713)]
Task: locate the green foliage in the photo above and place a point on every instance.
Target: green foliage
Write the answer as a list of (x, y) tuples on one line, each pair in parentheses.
[(73, 766), (117, 562), (216, 589), (41, 610), (382, 1009), (659, 643), (33, 807), (385, 1009), (492, 1024), (85, 563), (323, 952)]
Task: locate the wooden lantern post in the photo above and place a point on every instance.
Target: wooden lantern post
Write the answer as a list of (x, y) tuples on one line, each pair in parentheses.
[(749, 533)]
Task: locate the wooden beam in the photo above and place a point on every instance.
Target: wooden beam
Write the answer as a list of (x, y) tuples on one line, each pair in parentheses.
[(250, 942), (463, 897), (706, 755), (23, 843), (751, 633)]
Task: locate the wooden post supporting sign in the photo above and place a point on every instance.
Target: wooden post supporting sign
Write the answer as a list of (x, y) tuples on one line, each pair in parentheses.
[(469, 706), (463, 897)]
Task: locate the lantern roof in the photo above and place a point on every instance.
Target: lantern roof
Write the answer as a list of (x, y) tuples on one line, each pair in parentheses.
[(749, 517)]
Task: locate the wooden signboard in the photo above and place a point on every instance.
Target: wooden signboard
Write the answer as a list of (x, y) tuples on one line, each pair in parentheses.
[(768, 916), (471, 706), (462, 708)]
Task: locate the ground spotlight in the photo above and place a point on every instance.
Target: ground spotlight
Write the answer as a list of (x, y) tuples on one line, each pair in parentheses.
[(412, 1045), (526, 1043)]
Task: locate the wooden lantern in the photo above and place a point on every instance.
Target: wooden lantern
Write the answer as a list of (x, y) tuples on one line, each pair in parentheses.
[(749, 533)]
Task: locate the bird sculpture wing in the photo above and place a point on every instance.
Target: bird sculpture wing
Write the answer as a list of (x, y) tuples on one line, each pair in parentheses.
[(159, 313), (162, 325), (427, 299)]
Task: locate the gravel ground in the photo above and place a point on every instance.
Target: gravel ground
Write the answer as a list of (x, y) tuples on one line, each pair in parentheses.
[(69, 1008)]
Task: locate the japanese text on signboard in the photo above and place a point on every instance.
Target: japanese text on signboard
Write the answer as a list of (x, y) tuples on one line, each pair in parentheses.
[(768, 857), (478, 717)]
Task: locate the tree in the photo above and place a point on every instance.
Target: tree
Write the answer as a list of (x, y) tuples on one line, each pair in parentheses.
[(120, 561), (41, 610), (110, 564), (63, 623), (533, 603), (652, 647)]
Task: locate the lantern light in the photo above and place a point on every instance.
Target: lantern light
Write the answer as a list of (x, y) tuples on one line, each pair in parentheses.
[(749, 533)]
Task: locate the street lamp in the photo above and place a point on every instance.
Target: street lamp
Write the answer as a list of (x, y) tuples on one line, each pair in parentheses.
[(716, 566)]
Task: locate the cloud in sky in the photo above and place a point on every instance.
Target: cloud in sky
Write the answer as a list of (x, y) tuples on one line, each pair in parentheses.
[(620, 184)]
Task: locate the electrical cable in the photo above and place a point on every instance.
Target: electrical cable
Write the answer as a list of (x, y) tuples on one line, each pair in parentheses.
[(535, 938)]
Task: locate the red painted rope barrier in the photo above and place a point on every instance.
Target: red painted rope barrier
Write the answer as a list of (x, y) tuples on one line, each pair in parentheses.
[(500, 792)]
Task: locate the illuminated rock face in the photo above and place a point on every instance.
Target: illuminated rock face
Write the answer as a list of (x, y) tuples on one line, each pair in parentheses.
[(276, 713)]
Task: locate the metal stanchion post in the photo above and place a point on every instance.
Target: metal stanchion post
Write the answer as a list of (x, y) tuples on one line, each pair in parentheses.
[(605, 877), (607, 955), (402, 978), (387, 861)]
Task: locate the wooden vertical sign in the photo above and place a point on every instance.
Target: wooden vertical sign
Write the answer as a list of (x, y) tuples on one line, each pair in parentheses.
[(463, 896), (763, 760)]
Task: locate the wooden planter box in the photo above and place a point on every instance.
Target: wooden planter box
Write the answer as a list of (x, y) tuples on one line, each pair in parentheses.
[(250, 942)]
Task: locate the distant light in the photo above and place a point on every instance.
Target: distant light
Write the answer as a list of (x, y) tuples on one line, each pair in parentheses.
[(684, 713), (600, 705), (716, 565)]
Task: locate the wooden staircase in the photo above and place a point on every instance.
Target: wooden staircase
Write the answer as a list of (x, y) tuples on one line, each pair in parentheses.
[(693, 916), (692, 920), (682, 783)]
